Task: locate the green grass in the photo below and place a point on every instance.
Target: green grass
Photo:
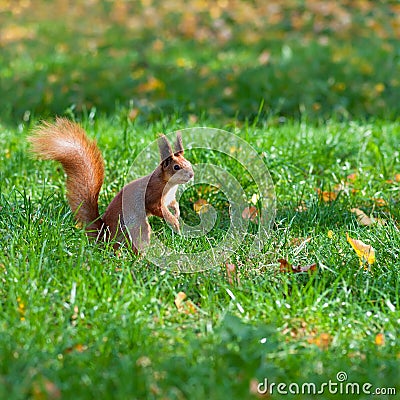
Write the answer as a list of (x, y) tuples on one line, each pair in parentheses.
[(313, 87), (294, 57), (79, 321)]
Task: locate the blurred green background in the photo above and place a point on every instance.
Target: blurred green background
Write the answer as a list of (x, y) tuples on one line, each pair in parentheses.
[(224, 58)]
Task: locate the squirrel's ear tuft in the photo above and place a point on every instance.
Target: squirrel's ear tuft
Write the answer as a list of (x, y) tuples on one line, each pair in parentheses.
[(178, 143), (165, 147)]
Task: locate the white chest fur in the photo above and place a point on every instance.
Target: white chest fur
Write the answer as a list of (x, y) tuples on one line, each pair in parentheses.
[(169, 197)]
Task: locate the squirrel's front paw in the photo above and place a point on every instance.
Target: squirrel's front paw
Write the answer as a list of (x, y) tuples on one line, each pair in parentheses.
[(175, 225)]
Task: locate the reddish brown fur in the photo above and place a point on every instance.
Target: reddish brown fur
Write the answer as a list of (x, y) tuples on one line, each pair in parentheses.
[(67, 142)]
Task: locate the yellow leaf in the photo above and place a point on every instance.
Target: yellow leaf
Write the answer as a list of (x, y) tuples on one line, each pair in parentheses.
[(379, 87), (187, 306), (151, 85), (201, 206), (326, 196), (322, 341), (180, 297), (380, 202), (365, 252), (380, 339), (330, 234), (255, 198)]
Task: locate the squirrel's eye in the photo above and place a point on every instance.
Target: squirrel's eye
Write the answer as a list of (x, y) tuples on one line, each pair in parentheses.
[(177, 167)]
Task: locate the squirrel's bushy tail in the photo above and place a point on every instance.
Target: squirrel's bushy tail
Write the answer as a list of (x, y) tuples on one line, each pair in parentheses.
[(67, 142)]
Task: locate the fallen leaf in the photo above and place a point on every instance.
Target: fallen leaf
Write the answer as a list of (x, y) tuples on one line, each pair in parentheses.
[(296, 241), (330, 234), (397, 177), (365, 252), (258, 389), (380, 339), (323, 340), (232, 274), (152, 84), (201, 206), (180, 297), (352, 177), (357, 354), (80, 348), (380, 202), (133, 113), (326, 196), (250, 213), (255, 198), (193, 118), (143, 361), (187, 306), (264, 57), (362, 218), (298, 329), (301, 207), (285, 266), (45, 389)]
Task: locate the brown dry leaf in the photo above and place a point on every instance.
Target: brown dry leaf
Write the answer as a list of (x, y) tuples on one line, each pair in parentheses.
[(80, 348), (232, 274), (45, 389), (352, 177), (326, 196), (193, 118), (380, 339), (296, 241), (250, 213), (151, 85), (264, 57), (201, 206), (380, 202), (297, 329), (323, 340), (362, 218), (187, 306), (285, 266), (301, 207), (365, 252), (133, 114), (180, 297), (258, 389)]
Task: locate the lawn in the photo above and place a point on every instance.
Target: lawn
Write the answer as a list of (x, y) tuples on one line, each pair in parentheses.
[(78, 320)]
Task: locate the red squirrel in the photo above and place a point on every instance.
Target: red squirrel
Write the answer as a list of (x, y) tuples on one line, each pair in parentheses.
[(126, 215)]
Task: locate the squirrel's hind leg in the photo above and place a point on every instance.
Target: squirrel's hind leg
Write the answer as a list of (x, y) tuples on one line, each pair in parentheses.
[(140, 236)]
